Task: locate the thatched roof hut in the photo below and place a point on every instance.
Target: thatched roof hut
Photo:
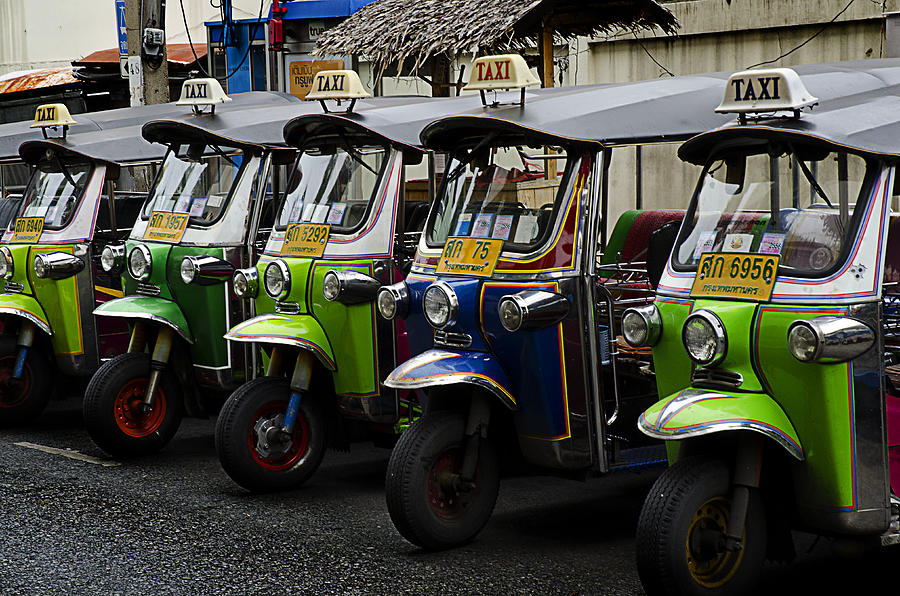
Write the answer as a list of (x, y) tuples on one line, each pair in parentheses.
[(399, 31)]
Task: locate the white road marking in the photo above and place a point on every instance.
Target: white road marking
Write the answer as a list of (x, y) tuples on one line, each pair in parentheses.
[(71, 454)]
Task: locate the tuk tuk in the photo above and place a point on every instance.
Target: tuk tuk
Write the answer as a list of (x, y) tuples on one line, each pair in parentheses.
[(209, 205), (83, 192), (348, 223), (774, 337)]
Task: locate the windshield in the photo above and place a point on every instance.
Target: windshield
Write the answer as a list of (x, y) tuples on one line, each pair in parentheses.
[(510, 194), (334, 188), (804, 207), (198, 187), (53, 194)]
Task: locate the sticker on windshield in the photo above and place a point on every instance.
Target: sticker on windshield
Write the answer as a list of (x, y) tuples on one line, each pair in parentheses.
[(320, 213), (307, 212), (527, 230), (705, 243), (482, 226), (772, 243), (462, 226), (336, 215), (503, 226), (738, 242), (198, 207), (305, 240), (735, 275), (470, 256), (166, 226), (28, 230), (183, 204)]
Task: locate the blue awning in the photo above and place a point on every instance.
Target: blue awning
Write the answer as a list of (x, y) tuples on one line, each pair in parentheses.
[(322, 9)]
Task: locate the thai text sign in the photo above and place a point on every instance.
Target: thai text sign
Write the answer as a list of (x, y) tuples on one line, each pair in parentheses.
[(28, 230), (305, 240), (743, 276), (470, 256), (166, 226)]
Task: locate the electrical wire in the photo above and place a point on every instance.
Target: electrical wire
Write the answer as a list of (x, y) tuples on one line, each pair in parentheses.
[(814, 35), (646, 51), (250, 37)]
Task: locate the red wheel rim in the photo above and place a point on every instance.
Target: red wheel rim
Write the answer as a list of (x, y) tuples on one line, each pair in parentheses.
[(13, 392), (446, 503), (129, 417), (299, 438)]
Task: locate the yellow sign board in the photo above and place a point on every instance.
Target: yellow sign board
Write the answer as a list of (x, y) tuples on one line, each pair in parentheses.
[(743, 276), (305, 240), (52, 114), (470, 256), (28, 230), (301, 74), (166, 226)]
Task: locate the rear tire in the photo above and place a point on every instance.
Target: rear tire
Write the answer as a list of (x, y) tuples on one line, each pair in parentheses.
[(111, 413), (23, 399), (426, 511), (253, 459)]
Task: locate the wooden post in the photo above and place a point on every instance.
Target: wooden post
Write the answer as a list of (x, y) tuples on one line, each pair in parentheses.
[(545, 45), (155, 80), (440, 76)]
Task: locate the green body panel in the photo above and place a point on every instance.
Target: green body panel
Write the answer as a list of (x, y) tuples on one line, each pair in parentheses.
[(22, 302), (353, 330), (738, 320), (143, 307), (300, 330), (670, 361), (616, 241)]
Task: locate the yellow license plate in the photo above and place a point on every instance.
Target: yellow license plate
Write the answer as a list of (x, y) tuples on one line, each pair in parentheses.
[(28, 230), (741, 276), (305, 240), (166, 226), (470, 256)]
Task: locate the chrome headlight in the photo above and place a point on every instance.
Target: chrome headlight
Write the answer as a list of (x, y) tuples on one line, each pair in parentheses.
[(349, 287), (277, 279), (246, 283), (6, 263), (829, 339), (440, 305), (704, 338), (393, 301), (57, 265), (532, 309), (205, 270), (112, 258), (642, 325), (140, 264)]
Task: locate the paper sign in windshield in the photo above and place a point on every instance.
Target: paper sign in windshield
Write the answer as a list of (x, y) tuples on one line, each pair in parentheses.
[(305, 240), (166, 226), (28, 230), (772, 243), (470, 256), (502, 227), (735, 275)]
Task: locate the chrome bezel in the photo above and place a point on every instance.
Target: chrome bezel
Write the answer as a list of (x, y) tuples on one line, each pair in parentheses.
[(537, 309), (6, 255), (353, 287), (142, 248), (719, 332), (206, 270), (57, 265), (286, 276), (251, 275), (838, 339), (399, 293), (118, 258), (452, 301), (649, 314)]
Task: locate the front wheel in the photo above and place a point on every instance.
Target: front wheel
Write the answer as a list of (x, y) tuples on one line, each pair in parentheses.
[(113, 413), (252, 448), (23, 398), (681, 533), (430, 505)]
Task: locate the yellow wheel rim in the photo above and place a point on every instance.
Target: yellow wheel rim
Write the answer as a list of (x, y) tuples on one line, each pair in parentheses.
[(711, 567)]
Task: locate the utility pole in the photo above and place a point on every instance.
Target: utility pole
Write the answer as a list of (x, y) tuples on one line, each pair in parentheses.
[(148, 67)]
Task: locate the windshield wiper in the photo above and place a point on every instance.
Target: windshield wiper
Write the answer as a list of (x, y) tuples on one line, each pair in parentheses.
[(460, 168), (812, 181), (354, 153), (64, 169)]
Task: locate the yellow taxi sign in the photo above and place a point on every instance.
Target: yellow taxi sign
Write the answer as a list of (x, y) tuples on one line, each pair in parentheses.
[(52, 114), (28, 230), (305, 240), (767, 90), (470, 256), (337, 85), (166, 226), (201, 92), (741, 276), (504, 71)]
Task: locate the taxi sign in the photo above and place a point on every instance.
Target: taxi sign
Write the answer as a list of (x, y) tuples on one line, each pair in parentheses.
[(28, 230), (52, 114), (166, 226), (470, 256), (201, 92), (305, 240), (337, 85), (741, 276), (769, 90), (505, 71)]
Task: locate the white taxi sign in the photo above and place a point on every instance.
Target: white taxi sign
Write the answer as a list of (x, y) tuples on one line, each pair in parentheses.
[(505, 71), (201, 92), (769, 90), (337, 85), (52, 114)]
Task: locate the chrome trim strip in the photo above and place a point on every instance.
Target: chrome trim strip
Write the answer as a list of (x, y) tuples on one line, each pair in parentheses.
[(27, 315), (149, 317), (453, 379)]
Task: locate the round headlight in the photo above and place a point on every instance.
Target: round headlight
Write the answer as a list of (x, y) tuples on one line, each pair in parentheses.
[(641, 326), (187, 270), (510, 314), (331, 286), (139, 262), (6, 262), (803, 343), (41, 268), (277, 279), (246, 283), (393, 300), (112, 258), (440, 305), (704, 338)]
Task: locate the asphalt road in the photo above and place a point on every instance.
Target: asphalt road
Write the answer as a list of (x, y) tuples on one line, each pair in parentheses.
[(176, 524)]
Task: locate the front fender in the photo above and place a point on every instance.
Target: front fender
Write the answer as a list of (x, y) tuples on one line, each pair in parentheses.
[(302, 331), (27, 307), (160, 310), (442, 367), (695, 412)]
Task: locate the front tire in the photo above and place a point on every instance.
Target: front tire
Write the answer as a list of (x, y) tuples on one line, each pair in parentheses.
[(249, 442), (681, 531), (111, 407), (23, 399), (424, 506)]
